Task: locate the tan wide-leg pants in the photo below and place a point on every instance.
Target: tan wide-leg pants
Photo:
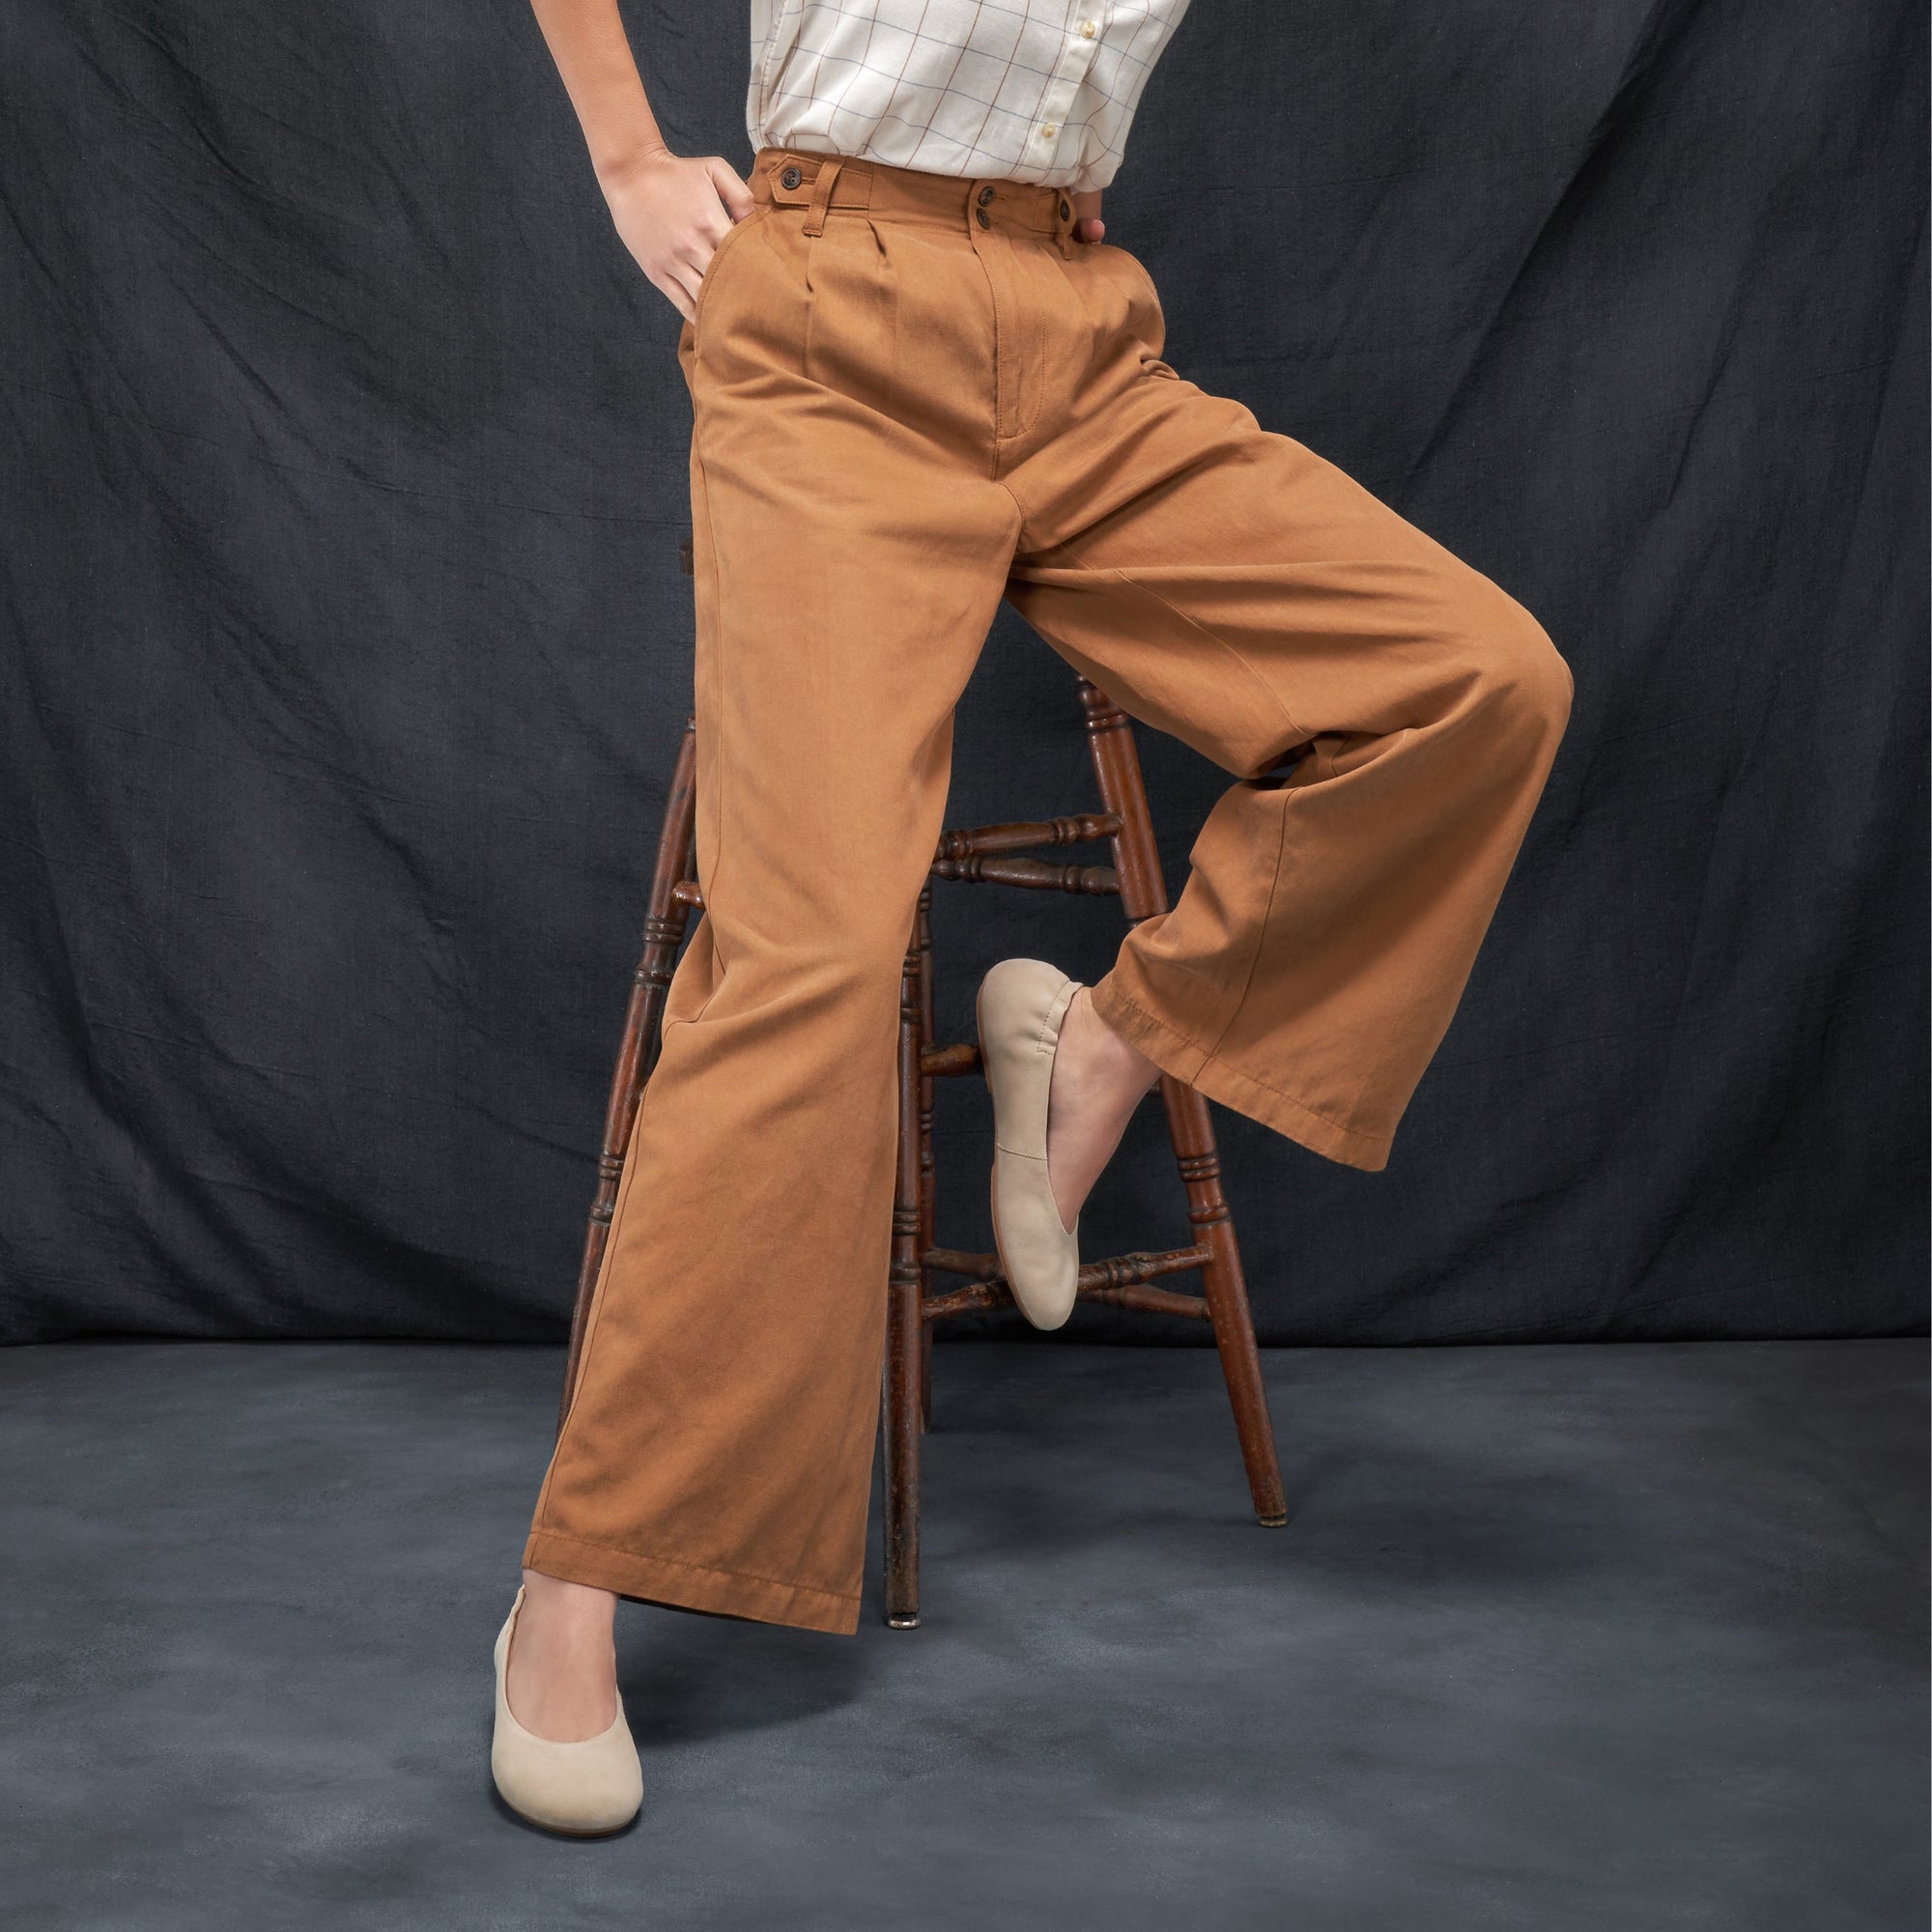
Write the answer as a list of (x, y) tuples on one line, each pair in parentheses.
[(914, 394)]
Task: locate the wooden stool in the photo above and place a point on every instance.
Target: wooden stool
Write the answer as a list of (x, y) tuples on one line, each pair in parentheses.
[(988, 855)]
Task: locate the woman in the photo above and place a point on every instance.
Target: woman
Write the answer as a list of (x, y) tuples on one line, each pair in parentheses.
[(921, 380)]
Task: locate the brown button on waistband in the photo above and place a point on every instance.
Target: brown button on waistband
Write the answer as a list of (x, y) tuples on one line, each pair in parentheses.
[(984, 219), (1065, 210), (986, 194), (791, 178)]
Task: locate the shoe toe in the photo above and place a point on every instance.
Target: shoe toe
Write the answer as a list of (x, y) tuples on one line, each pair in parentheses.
[(583, 1788), (1021, 1005), (1038, 1255)]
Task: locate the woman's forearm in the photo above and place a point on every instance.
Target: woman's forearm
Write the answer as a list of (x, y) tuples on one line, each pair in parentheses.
[(668, 211), (586, 40)]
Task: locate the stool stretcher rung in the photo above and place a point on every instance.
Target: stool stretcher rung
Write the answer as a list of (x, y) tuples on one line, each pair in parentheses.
[(1083, 827), (1097, 881), (957, 1261), (981, 1295), (943, 1062), (1117, 1280)]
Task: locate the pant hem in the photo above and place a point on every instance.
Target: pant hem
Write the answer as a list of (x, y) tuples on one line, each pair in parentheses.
[(689, 1586), (1193, 1066)]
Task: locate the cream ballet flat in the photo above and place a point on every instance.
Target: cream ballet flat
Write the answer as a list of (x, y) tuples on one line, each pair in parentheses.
[(583, 1788), (1020, 1007)]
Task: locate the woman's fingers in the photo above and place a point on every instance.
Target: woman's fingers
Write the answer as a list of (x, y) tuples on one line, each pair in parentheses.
[(671, 215), (737, 198), (679, 280)]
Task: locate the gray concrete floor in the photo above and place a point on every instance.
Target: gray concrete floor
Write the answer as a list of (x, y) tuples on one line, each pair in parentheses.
[(1605, 1636)]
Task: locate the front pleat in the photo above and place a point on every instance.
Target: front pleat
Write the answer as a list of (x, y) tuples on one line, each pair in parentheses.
[(852, 307), (807, 246), (886, 288)]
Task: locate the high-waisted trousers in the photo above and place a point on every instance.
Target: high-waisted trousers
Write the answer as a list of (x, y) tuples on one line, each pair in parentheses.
[(913, 394)]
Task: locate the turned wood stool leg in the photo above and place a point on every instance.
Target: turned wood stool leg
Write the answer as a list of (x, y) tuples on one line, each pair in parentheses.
[(1116, 766), (665, 920), (899, 1411), (928, 1209), (1227, 1293)]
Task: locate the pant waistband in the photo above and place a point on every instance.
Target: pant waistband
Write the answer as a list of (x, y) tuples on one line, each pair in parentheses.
[(824, 184)]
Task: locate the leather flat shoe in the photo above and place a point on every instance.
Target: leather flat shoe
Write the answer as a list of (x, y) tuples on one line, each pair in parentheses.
[(583, 1788), (1020, 1007)]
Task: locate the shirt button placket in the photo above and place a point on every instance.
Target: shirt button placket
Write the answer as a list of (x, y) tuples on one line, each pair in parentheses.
[(1078, 57)]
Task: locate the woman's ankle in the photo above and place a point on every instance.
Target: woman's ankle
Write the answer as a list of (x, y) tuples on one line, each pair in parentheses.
[(556, 1597), (1116, 1059)]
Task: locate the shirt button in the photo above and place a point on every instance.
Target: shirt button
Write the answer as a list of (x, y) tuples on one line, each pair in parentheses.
[(1050, 129), (1087, 30)]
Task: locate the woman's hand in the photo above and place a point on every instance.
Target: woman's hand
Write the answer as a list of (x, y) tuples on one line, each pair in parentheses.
[(671, 212), (1087, 223)]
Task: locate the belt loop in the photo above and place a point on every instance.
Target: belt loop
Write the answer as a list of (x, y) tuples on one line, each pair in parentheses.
[(821, 195)]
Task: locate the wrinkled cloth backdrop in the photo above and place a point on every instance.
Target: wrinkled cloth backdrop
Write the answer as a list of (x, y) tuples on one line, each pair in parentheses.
[(345, 650)]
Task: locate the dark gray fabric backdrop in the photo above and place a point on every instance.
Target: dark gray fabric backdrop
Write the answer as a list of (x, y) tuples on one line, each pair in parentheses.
[(345, 648)]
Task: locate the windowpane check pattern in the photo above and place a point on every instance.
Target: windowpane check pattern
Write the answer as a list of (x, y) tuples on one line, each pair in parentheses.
[(1025, 90)]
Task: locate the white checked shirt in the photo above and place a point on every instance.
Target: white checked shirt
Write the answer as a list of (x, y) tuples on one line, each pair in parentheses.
[(1027, 90)]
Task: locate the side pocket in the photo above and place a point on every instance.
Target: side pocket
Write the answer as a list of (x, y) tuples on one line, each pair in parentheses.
[(717, 254), (1149, 322), (1139, 269)]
